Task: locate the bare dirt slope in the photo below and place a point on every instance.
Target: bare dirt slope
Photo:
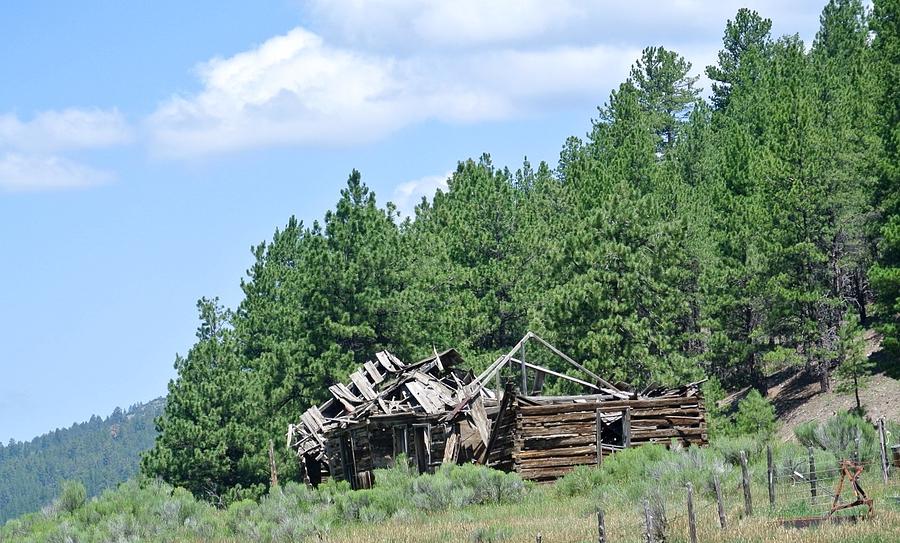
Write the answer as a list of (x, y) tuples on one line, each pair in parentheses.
[(798, 399)]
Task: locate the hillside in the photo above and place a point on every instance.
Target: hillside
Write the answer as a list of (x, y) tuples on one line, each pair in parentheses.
[(101, 453), (797, 396)]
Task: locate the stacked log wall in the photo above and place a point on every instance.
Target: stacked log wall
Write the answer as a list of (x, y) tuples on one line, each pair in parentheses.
[(501, 456), (553, 439)]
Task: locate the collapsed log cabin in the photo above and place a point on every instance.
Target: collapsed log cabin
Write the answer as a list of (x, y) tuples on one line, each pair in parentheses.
[(434, 412)]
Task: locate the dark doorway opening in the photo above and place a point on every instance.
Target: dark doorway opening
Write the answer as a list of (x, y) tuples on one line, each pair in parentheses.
[(422, 439)]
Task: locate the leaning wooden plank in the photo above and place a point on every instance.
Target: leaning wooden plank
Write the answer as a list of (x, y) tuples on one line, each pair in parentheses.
[(348, 394), (314, 411), (310, 422), (565, 357), (386, 362), (363, 385), (432, 396), (480, 418), (421, 397), (339, 396), (374, 374), (451, 449), (542, 369), (396, 361)]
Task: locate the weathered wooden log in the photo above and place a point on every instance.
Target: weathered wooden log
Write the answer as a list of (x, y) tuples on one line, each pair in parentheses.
[(679, 402)]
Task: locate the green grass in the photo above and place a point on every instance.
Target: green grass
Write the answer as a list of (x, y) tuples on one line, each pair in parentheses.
[(472, 503)]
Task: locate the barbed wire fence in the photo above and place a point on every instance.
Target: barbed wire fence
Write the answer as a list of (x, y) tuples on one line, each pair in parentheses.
[(796, 489)]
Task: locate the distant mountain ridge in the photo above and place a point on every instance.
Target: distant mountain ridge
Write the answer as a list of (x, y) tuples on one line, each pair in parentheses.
[(101, 453)]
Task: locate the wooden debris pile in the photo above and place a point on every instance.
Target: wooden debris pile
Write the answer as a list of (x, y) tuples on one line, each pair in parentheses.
[(389, 389), (434, 412)]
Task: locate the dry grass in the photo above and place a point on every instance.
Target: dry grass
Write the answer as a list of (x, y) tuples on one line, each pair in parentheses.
[(574, 520)]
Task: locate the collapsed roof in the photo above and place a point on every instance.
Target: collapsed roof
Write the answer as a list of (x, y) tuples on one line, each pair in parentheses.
[(388, 387)]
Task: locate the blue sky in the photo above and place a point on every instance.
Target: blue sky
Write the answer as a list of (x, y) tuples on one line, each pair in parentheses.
[(146, 146)]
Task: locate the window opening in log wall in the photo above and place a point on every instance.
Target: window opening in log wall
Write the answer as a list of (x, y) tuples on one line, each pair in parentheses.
[(615, 428), (401, 445)]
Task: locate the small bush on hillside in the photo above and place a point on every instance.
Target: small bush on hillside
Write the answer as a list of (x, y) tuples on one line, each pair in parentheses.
[(755, 416), (73, 496), (717, 421), (838, 436)]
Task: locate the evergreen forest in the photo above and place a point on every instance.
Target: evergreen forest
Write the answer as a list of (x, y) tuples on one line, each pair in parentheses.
[(722, 233), (100, 454)]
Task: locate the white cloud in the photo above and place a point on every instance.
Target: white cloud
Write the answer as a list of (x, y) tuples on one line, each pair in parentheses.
[(295, 89), (51, 131), (30, 157), (23, 172), (408, 195), (392, 25), (363, 70)]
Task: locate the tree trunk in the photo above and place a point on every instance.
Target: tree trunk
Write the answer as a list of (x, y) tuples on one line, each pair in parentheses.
[(860, 295), (824, 381)]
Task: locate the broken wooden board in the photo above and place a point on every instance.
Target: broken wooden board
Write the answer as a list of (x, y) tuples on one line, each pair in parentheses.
[(373, 372), (480, 418), (422, 397), (363, 385), (385, 361)]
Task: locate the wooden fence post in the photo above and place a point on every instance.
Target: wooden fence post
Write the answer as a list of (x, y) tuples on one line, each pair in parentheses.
[(882, 441), (273, 469), (812, 476), (719, 501), (745, 481), (648, 523), (692, 521), (601, 527), (770, 462)]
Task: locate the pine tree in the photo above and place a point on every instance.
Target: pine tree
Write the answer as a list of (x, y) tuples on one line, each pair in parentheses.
[(855, 368), (210, 435), (666, 92), (466, 282), (885, 275), (746, 44), (625, 292)]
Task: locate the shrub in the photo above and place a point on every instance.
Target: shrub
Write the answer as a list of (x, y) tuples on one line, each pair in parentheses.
[(491, 534), (838, 436), (72, 496), (755, 416), (629, 468)]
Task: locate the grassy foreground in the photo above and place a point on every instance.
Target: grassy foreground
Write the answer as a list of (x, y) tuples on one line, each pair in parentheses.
[(471, 503)]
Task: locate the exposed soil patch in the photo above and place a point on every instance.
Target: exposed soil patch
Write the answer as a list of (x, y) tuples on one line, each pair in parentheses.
[(797, 397)]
